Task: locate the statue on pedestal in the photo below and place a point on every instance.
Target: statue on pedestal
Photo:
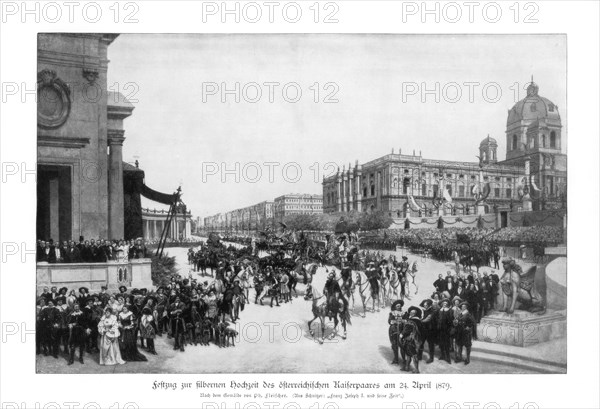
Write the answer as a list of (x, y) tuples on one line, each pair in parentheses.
[(519, 286)]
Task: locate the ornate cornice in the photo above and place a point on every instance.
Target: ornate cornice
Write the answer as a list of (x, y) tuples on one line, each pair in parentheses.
[(62, 142), (115, 136)]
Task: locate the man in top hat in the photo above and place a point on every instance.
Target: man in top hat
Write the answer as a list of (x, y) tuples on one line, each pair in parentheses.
[(444, 327), (429, 329), (464, 332), (394, 321), (410, 338)]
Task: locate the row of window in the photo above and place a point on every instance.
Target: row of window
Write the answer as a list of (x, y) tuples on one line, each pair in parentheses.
[(552, 143), (462, 192)]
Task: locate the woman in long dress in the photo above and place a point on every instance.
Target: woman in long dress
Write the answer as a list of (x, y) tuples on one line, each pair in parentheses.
[(108, 328), (129, 350)]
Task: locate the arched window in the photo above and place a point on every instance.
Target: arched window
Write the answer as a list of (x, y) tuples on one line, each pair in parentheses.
[(405, 185), (484, 156), (514, 142), (543, 141), (553, 139), (372, 190)]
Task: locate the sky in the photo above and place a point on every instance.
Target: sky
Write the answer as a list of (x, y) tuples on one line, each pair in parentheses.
[(360, 97)]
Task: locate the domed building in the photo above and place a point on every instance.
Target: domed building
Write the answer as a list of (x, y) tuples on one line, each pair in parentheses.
[(533, 136), (532, 124), (406, 185)]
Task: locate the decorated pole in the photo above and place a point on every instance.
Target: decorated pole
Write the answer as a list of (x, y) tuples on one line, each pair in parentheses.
[(526, 200)]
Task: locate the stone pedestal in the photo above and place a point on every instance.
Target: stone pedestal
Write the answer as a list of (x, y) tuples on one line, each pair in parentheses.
[(522, 328), (141, 273), (480, 209)]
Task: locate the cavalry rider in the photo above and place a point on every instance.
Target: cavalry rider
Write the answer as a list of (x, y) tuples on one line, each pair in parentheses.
[(394, 321), (346, 278), (403, 266), (331, 291), (373, 274)]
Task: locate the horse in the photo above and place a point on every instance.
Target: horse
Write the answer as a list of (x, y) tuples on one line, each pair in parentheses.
[(394, 285), (366, 291), (320, 309), (413, 273), (384, 287)]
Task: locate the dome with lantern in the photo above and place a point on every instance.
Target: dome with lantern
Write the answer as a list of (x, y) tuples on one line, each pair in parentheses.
[(534, 107)]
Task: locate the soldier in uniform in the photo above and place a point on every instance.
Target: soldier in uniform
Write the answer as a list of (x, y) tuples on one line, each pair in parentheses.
[(464, 332), (429, 329), (394, 321)]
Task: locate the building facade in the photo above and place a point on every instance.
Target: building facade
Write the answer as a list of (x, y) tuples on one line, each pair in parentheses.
[(410, 185), (256, 217), (79, 185), (297, 203), (154, 222)]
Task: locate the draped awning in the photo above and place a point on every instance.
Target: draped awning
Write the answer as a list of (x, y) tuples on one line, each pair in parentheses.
[(164, 198)]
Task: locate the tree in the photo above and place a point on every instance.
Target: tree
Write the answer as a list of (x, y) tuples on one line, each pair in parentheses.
[(162, 269), (375, 220)]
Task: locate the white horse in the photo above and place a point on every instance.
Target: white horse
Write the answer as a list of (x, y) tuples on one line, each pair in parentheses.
[(319, 303), (366, 292), (394, 285)]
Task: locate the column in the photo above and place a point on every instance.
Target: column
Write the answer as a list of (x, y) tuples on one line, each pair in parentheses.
[(188, 228), (116, 222), (351, 191), (358, 189), (339, 193), (54, 215), (378, 190), (344, 198)]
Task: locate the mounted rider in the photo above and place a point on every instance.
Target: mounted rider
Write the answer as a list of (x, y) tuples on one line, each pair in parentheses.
[(331, 291)]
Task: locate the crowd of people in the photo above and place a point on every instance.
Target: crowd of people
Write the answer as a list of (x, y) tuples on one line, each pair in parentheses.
[(447, 319), (105, 323), (90, 251), (192, 311)]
